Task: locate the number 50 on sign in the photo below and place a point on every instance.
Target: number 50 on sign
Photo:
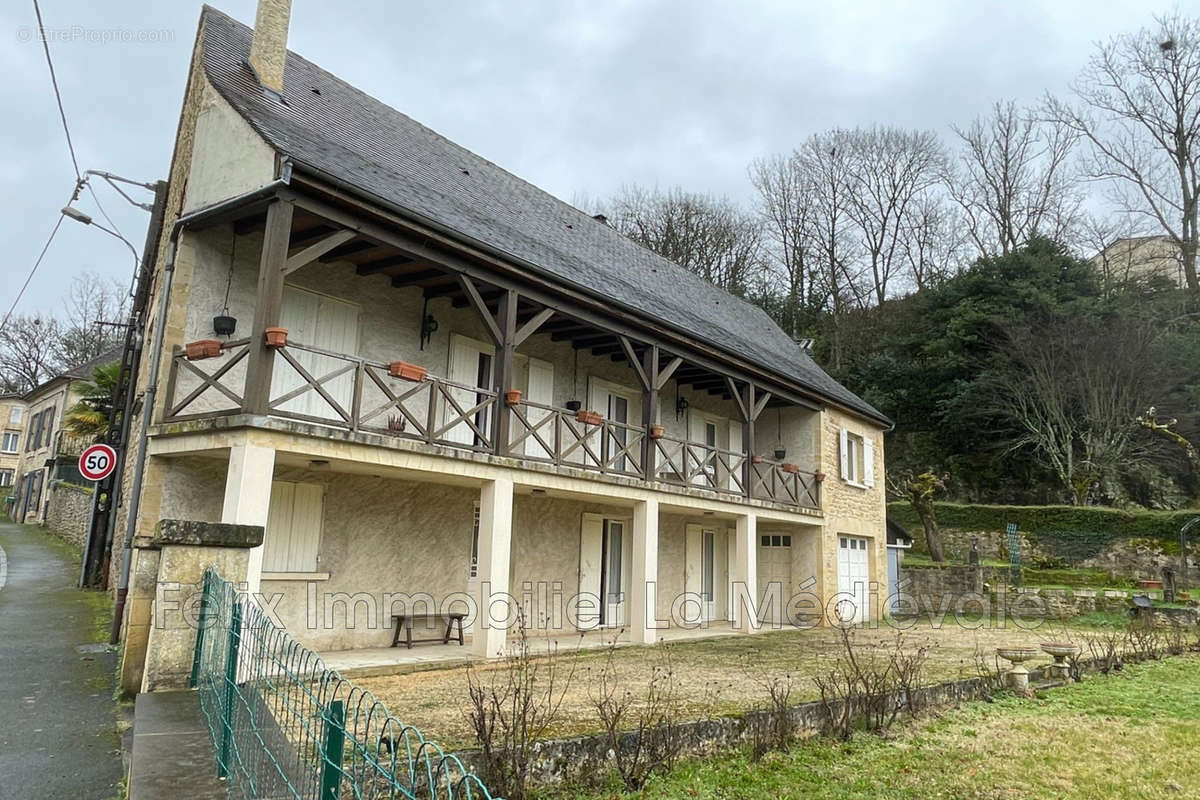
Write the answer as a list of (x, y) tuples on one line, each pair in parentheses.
[(97, 462)]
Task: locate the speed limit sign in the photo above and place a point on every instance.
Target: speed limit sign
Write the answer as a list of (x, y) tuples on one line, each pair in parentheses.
[(97, 462)]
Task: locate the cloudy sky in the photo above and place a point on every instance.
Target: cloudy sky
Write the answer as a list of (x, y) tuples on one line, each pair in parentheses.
[(577, 97)]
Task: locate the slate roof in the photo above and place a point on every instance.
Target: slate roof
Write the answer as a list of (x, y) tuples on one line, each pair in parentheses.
[(333, 127)]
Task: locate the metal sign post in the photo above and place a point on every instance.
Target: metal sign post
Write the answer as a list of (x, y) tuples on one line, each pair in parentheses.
[(96, 463)]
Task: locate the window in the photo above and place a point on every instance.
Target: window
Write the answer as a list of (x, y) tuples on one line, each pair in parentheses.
[(858, 459), (15, 415), (10, 443), (6, 477), (294, 522), (474, 573)]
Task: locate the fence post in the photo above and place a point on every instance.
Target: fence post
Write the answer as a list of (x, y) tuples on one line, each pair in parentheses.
[(201, 624), (333, 751), (230, 688)]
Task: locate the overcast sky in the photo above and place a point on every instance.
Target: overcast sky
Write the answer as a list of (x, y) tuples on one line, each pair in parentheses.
[(577, 97)]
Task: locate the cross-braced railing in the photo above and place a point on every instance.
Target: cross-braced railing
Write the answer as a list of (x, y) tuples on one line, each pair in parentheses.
[(558, 436), (696, 464), (783, 483), (285, 726), (208, 387)]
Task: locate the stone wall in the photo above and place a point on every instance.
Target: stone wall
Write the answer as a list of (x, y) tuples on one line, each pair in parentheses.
[(68, 511)]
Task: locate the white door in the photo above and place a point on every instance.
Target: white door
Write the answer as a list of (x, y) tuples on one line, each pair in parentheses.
[(774, 575), (539, 388), (703, 435), (617, 404), (853, 575), (293, 536), (703, 571), (470, 365), (330, 324)]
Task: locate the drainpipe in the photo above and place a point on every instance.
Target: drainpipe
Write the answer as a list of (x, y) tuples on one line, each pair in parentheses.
[(149, 398)]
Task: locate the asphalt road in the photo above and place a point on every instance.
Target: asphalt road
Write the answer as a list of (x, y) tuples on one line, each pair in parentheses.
[(58, 735)]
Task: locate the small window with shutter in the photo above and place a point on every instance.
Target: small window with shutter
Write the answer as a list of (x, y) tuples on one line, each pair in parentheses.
[(857, 459)]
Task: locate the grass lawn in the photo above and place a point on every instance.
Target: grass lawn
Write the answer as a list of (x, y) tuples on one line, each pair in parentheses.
[(1128, 735), (716, 676)]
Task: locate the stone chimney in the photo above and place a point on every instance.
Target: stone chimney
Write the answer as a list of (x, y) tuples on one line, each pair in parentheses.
[(268, 48)]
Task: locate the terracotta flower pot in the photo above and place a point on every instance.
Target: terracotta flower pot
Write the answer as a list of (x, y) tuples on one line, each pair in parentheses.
[(407, 371), (756, 459), (657, 431), (205, 348), (791, 469), (819, 476), (589, 417), (277, 337), (1150, 584), (513, 397)]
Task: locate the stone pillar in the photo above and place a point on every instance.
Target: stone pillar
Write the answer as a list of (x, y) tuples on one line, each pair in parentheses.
[(248, 497), (745, 575), (185, 550), (643, 583), (489, 629)]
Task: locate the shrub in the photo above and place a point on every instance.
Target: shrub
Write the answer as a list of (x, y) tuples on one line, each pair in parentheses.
[(870, 686)]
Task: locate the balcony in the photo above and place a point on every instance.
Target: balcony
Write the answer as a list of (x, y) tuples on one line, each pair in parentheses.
[(316, 385)]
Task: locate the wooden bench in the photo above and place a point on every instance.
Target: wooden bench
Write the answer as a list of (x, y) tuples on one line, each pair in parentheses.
[(404, 624)]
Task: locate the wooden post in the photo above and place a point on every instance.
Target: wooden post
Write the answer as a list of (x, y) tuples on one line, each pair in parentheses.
[(268, 306), (748, 417), (502, 372), (649, 407)]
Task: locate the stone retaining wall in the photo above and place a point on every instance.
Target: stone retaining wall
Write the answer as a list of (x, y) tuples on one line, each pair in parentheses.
[(67, 512)]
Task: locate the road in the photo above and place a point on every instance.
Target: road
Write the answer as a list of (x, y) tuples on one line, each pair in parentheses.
[(58, 734)]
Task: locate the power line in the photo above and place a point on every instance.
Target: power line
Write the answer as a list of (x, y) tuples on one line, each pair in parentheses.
[(57, 94), (28, 278)]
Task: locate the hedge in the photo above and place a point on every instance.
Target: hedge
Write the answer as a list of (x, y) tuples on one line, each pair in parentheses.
[(1073, 533)]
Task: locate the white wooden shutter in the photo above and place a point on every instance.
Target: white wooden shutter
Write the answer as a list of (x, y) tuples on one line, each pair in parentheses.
[(868, 476), (735, 446), (730, 564), (463, 368), (693, 559), (844, 452), (293, 535), (591, 551), (299, 316), (540, 389), (325, 322), (337, 331)]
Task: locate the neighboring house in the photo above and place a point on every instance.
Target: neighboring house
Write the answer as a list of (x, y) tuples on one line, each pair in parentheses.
[(47, 451), (383, 445), (1141, 258), (12, 436)]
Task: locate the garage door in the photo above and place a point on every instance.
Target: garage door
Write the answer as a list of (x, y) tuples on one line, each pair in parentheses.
[(853, 574), (774, 575)]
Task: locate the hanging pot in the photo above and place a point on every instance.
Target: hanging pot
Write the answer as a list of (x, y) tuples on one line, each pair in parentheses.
[(574, 405), (224, 325), (780, 453)]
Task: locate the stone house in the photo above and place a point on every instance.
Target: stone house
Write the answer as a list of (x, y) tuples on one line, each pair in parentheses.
[(12, 435), (428, 378), (48, 452), (1141, 258)]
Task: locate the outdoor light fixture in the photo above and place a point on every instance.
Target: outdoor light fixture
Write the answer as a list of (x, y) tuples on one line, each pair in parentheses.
[(429, 325), (681, 407), (77, 215)]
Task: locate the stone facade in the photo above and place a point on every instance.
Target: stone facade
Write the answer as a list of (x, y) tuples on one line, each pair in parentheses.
[(12, 425), (68, 510)]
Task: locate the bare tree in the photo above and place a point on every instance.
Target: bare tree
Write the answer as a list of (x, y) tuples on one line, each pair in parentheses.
[(1013, 179), (1113, 239), (709, 236), (1140, 115), (889, 170), (27, 352), (91, 300), (932, 242), (824, 161), (785, 204), (1077, 389)]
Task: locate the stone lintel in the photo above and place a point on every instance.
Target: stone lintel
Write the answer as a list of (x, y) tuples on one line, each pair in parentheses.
[(206, 534)]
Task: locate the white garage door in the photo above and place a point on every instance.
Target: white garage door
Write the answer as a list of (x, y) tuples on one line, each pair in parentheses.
[(774, 575), (853, 574)]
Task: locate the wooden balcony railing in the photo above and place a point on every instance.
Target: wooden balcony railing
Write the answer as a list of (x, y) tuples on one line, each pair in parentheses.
[(328, 388)]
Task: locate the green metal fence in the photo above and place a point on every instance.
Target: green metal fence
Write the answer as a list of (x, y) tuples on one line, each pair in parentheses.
[(285, 726)]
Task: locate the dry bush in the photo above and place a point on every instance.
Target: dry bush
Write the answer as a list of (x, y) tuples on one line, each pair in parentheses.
[(513, 706), (774, 727), (1106, 649), (870, 686), (642, 728), (1144, 641), (1175, 640), (987, 668)]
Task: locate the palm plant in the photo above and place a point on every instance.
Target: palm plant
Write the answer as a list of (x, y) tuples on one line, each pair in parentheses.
[(89, 417)]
